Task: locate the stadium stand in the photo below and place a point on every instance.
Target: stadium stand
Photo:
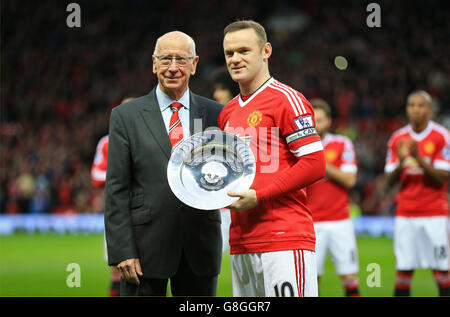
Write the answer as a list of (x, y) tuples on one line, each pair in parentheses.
[(59, 84)]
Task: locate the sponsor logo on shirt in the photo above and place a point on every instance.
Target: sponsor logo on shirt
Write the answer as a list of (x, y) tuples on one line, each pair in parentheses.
[(348, 156), (98, 157), (304, 122), (446, 152), (388, 155)]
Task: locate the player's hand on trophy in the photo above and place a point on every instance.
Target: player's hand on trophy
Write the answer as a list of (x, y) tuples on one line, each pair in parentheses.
[(247, 200), (129, 270)]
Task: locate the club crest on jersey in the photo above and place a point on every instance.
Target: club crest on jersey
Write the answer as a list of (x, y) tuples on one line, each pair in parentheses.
[(330, 155), (304, 122), (98, 157), (429, 148), (254, 118)]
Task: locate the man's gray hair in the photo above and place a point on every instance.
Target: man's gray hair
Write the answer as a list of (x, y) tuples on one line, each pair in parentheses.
[(192, 46)]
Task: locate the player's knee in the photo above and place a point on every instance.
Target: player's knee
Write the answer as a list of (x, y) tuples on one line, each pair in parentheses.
[(349, 277)]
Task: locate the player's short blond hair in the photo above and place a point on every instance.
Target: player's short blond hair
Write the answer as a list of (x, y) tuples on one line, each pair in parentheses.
[(248, 24), (319, 103)]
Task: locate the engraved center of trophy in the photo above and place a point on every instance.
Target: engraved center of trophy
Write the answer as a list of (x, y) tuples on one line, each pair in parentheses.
[(213, 172), (207, 165)]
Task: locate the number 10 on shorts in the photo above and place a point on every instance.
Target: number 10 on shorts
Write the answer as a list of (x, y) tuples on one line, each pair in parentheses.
[(285, 290)]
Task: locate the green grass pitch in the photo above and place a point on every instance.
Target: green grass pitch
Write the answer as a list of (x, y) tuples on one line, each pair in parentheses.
[(36, 265)]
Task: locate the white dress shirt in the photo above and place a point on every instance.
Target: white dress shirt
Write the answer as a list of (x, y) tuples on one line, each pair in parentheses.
[(165, 101)]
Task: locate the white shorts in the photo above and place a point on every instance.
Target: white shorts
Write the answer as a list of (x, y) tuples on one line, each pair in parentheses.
[(338, 237), (421, 242), (280, 273)]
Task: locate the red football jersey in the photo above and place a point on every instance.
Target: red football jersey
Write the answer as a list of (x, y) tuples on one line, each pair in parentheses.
[(98, 170), (278, 123), (328, 200), (418, 195)]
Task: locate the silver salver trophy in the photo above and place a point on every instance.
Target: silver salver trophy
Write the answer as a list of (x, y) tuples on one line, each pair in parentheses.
[(207, 165)]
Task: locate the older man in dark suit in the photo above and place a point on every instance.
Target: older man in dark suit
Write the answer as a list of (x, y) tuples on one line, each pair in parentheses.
[(151, 235)]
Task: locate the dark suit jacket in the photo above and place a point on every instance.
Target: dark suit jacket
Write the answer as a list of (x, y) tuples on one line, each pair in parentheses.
[(143, 218)]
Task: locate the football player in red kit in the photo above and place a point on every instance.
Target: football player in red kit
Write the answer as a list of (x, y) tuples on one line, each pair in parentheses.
[(418, 157), (329, 203), (272, 234)]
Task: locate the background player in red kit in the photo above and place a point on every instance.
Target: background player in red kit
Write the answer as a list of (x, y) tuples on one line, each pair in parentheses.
[(98, 178), (272, 234), (418, 157), (329, 203)]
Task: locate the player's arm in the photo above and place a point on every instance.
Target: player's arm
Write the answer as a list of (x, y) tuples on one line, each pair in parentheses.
[(304, 142), (308, 169), (300, 135), (393, 177), (295, 120), (98, 169), (438, 176), (346, 179), (394, 161), (345, 175)]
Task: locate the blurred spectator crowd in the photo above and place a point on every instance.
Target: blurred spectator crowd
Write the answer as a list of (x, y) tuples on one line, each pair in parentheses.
[(59, 84)]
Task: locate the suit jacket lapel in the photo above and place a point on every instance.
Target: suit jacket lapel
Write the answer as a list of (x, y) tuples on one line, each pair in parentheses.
[(155, 123), (196, 113)]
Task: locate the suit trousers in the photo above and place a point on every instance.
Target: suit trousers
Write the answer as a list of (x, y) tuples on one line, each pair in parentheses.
[(184, 283)]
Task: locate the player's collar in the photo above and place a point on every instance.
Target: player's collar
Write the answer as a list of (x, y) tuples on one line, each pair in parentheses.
[(165, 101), (421, 135), (242, 103), (326, 138)]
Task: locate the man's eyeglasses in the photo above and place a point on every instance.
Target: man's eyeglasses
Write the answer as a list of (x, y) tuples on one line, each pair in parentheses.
[(166, 60)]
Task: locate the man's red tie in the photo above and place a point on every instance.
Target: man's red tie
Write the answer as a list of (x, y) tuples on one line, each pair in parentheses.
[(175, 127)]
